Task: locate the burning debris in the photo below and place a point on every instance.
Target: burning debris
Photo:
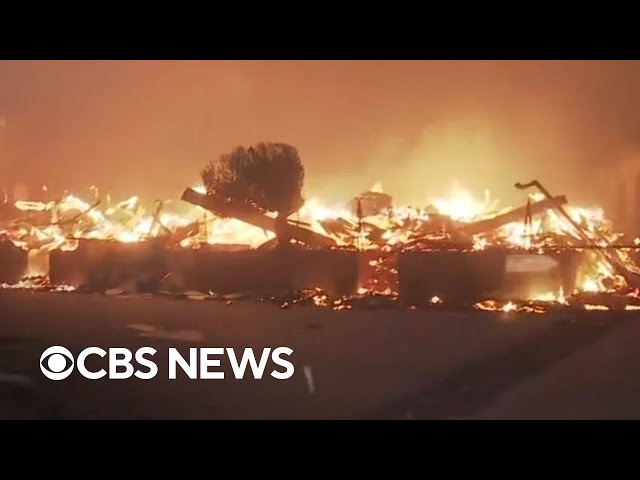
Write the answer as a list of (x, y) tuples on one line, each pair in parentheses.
[(372, 203), (247, 230)]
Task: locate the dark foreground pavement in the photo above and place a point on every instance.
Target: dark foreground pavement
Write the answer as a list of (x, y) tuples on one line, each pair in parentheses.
[(359, 364)]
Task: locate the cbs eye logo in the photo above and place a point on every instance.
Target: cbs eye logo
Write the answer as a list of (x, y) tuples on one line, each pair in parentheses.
[(56, 363)]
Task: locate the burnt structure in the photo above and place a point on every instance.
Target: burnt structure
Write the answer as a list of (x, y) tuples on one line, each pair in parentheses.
[(371, 203), (13, 262), (624, 188), (149, 267)]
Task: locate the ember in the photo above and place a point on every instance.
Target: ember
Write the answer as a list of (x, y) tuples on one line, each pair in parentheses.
[(494, 306), (595, 307), (435, 300)]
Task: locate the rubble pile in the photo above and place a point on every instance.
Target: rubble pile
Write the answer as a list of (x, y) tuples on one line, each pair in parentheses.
[(542, 255)]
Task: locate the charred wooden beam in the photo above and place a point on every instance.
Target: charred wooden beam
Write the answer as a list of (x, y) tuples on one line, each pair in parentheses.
[(173, 239), (252, 216), (371, 204), (339, 227), (515, 215)]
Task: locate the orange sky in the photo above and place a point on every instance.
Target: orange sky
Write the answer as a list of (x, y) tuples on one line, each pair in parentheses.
[(148, 127)]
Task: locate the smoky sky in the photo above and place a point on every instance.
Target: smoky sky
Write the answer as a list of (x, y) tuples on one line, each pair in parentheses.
[(149, 127)]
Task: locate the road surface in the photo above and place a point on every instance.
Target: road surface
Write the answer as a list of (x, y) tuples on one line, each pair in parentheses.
[(359, 364)]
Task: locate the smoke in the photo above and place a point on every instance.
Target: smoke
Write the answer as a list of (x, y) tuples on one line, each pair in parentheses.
[(567, 124), (471, 154), (477, 158), (147, 128)]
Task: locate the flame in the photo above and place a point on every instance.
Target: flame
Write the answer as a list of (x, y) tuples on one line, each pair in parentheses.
[(461, 204), (591, 285), (479, 243), (127, 221), (377, 188), (545, 297), (200, 188), (509, 307), (551, 297), (487, 305), (27, 206), (320, 299), (494, 306), (31, 284), (60, 224), (561, 299), (589, 306)]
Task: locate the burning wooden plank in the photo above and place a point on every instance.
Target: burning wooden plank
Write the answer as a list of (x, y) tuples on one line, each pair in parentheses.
[(515, 215), (371, 203), (252, 216)]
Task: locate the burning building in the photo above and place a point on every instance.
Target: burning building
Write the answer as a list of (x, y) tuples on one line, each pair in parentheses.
[(450, 252)]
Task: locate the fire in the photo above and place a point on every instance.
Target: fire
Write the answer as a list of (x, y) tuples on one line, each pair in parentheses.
[(127, 221), (43, 226), (320, 299), (436, 300), (551, 297), (462, 206), (200, 188), (509, 307), (589, 306), (545, 297), (30, 284), (591, 285), (479, 243), (377, 188), (130, 221)]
